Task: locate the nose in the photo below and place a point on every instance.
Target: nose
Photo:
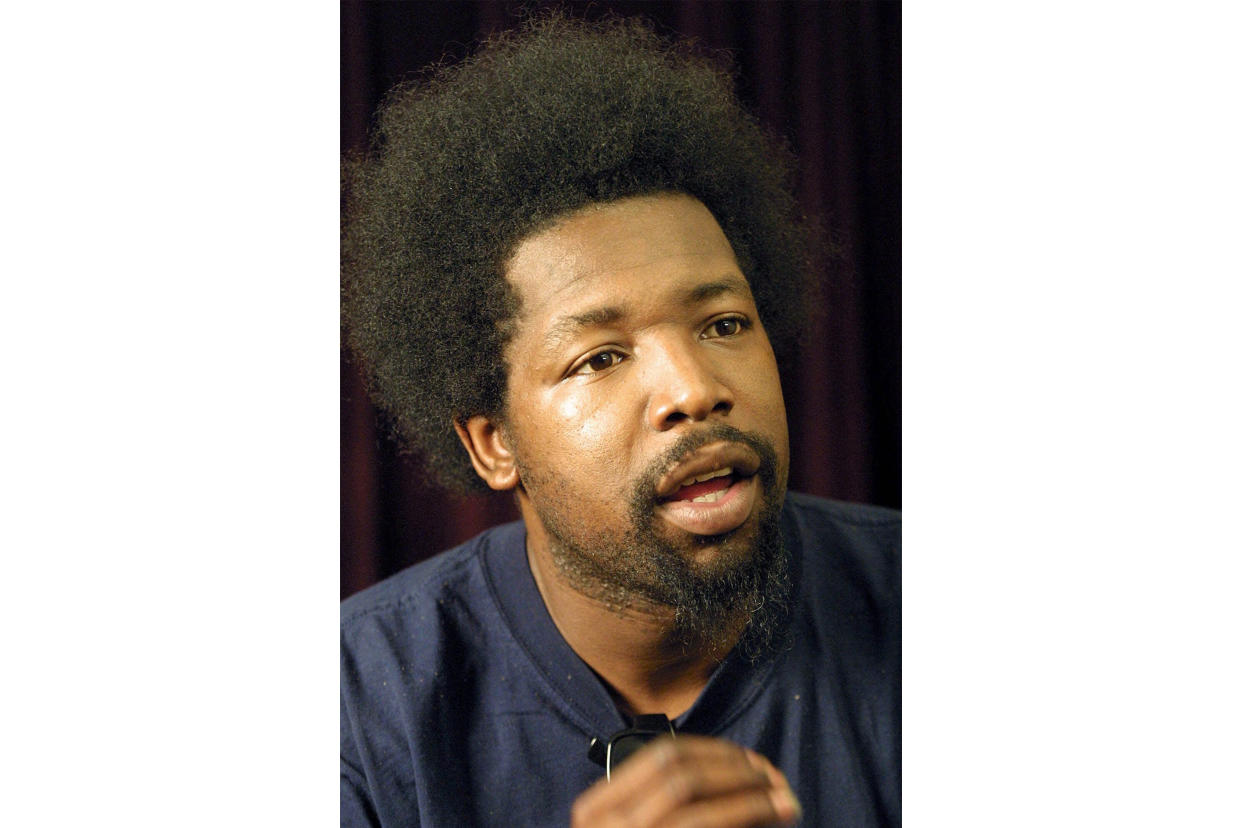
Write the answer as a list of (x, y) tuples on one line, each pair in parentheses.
[(684, 387)]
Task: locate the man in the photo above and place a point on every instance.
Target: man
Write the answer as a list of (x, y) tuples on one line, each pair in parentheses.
[(577, 259)]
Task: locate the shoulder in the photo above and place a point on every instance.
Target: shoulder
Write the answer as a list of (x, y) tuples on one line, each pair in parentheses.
[(860, 514), (874, 526), (847, 546), (413, 594)]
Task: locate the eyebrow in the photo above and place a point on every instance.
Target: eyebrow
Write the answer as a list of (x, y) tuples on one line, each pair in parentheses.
[(567, 327), (721, 286)]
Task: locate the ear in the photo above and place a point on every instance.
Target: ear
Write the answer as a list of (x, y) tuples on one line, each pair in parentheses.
[(489, 451)]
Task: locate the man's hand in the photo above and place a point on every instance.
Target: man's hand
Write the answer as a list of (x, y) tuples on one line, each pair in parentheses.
[(690, 781)]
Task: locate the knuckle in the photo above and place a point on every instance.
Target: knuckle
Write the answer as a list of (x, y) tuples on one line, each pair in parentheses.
[(682, 785), (668, 752), (585, 814)]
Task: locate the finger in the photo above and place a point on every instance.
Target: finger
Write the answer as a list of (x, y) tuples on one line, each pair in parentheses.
[(646, 767), (747, 809), (690, 778), (727, 764), (775, 777)]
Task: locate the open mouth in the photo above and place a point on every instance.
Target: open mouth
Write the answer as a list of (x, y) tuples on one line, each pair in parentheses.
[(711, 492), (706, 488)]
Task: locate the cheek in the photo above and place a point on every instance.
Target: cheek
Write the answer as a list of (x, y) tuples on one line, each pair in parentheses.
[(586, 424), (777, 404), (763, 385), (768, 402)]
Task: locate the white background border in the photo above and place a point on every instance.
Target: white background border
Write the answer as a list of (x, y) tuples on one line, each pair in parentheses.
[(1071, 181)]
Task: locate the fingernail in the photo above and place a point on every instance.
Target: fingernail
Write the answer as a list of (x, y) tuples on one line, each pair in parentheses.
[(786, 804)]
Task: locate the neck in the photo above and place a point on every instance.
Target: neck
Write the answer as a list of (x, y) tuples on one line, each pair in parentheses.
[(637, 651)]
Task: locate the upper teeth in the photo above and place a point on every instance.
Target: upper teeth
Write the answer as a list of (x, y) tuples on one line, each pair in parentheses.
[(712, 474)]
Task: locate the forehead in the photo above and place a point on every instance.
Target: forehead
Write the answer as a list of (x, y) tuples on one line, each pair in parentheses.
[(644, 249)]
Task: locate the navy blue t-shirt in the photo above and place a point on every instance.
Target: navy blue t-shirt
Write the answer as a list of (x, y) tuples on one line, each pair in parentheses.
[(461, 704)]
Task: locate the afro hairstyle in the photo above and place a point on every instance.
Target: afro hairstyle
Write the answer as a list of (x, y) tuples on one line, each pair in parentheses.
[(474, 158)]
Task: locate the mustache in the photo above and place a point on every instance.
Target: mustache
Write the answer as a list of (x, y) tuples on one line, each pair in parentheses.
[(645, 491)]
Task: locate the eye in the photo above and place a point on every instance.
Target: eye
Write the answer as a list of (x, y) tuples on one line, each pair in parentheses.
[(599, 362), (726, 326)]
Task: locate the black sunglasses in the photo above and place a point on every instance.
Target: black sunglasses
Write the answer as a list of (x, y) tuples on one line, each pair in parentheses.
[(623, 744)]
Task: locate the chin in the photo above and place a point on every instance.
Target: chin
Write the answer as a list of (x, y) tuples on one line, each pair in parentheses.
[(712, 555)]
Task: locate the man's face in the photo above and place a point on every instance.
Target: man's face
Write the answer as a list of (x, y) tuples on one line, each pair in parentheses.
[(639, 366)]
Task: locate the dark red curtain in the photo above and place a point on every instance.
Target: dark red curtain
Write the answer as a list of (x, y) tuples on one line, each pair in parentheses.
[(826, 75)]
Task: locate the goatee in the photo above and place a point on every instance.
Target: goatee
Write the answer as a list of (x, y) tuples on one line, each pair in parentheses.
[(747, 580)]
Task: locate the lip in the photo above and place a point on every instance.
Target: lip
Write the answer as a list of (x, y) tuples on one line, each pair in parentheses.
[(741, 457), (733, 508), (717, 517)]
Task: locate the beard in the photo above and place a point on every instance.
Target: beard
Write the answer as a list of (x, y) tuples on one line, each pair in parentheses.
[(747, 579)]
